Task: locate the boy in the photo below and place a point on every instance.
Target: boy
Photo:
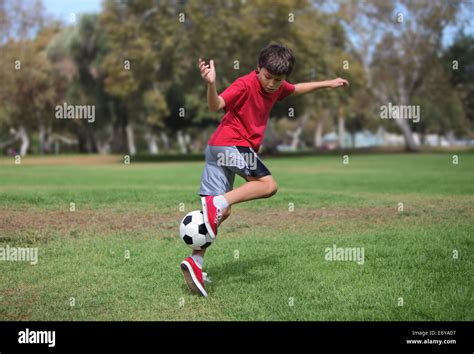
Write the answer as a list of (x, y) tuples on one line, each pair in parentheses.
[(233, 147)]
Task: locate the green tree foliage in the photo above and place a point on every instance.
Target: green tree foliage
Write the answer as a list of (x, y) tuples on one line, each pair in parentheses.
[(136, 63), (30, 89), (458, 62), (132, 65)]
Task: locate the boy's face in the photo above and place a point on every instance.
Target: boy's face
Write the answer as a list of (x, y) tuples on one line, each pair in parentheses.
[(270, 82)]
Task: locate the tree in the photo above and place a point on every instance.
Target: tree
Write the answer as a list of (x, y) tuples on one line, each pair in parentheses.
[(132, 65), (458, 63), (24, 69), (31, 89), (398, 42)]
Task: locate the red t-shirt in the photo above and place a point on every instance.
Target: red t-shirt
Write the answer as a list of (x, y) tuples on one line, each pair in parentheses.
[(247, 108)]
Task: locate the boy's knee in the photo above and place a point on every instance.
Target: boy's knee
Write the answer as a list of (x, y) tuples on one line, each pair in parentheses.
[(271, 187)]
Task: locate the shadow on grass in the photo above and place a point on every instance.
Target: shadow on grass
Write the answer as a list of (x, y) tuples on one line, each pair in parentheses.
[(239, 271), (242, 271)]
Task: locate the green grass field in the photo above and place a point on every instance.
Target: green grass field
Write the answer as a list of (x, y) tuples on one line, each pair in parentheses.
[(269, 260)]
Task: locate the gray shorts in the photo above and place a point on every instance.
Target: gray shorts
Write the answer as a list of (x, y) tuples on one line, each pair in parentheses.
[(224, 162)]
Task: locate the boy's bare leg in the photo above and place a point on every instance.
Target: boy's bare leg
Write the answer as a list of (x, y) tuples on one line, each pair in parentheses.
[(199, 253), (255, 188)]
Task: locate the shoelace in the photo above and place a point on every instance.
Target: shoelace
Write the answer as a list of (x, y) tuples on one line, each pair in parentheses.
[(206, 278)]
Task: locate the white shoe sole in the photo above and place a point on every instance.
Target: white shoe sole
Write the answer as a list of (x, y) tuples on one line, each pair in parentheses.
[(191, 280), (206, 219)]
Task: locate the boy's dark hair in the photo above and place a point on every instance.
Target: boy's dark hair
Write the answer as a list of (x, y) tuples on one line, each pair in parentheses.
[(277, 59)]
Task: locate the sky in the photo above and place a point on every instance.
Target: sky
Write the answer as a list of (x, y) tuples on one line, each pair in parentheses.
[(63, 9)]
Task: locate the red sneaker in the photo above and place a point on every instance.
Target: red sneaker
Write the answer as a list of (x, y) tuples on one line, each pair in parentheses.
[(212, 215), (193, 276)]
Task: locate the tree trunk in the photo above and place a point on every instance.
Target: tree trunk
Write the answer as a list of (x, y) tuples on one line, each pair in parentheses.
[(117, 139), (91, 141), (152, 145), (181, 142), (407, 134), (116, 136), (49, 140), (341, 128), (296, 138), (187, 142), (41, 138), (25, 141), (132, 150), (402, 123), (318, 135), (81, 139), (166, 141)]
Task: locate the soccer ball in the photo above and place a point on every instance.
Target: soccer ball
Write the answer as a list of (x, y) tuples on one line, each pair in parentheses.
[(193, 232)]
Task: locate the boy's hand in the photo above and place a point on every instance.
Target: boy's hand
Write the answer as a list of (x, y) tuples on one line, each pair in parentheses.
[(208, 72), (338, 82)]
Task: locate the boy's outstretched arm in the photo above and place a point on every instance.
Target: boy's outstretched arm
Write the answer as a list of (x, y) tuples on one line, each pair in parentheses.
[(208, 73), (306, 87)]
